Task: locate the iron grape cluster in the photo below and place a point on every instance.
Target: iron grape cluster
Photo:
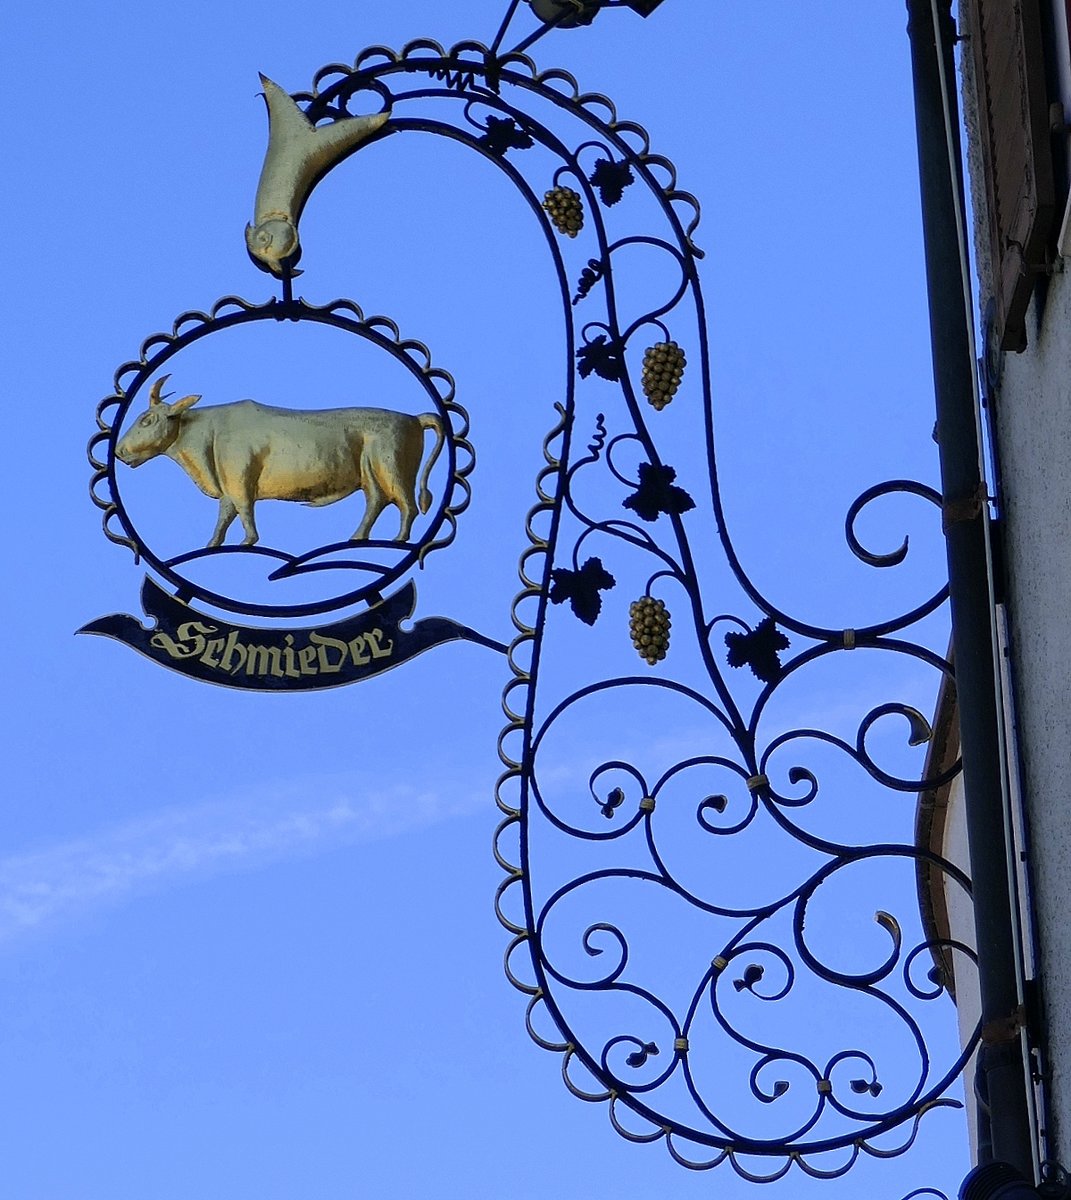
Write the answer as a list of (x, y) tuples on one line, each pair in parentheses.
[(663, 370), (566, 210), (649, 623)]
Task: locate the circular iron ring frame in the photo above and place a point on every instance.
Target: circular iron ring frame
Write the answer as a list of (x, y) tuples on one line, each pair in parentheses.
[(160, 348)]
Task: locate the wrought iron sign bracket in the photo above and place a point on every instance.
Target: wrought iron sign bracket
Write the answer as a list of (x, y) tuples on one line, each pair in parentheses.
[(625, 626)]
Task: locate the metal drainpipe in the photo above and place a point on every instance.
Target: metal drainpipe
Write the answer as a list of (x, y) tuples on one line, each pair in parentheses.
[(931, 30)]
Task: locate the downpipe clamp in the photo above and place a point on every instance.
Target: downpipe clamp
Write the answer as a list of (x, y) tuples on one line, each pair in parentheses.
[(1001, 1181)]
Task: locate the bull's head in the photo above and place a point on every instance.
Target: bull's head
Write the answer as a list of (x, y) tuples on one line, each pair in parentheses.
[(155, 430)]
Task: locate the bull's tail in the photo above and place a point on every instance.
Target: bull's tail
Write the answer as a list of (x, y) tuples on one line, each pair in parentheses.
[(430, 421)]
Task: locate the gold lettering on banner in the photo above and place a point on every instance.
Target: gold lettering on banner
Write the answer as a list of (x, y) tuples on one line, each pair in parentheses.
[(323, 644), (360, 659), (321, 654), (288, 655), (372, 640), (262, 659), (214, 647), (234, 654), (191, 641)]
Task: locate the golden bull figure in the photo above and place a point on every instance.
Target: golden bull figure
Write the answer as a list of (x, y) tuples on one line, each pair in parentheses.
[(244, 452)]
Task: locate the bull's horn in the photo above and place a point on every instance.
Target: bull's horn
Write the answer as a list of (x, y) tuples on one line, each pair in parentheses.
[(157, 387)]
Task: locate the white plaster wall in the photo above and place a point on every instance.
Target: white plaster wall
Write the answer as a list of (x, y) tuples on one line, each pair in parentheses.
[(1033, 428), (1031, 422)]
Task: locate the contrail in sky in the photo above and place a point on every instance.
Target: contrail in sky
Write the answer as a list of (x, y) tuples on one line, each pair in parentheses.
[(159, 850)]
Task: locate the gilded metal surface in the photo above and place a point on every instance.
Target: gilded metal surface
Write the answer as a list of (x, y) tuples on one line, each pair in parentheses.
[(299, 154), (244, 452)]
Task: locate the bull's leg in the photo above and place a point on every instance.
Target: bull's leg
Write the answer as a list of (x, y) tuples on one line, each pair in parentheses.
[(407, 511), (396, 475), (227, 513), (375, 502), (243, 490), (245, 515)]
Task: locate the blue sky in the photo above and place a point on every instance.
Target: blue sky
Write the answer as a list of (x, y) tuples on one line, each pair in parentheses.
[(247, 946)]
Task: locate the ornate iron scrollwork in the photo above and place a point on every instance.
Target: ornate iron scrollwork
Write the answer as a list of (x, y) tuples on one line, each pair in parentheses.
[(678, 869), (681, 857)]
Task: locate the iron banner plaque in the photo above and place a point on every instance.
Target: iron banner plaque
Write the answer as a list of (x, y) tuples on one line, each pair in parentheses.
[(310, 659)]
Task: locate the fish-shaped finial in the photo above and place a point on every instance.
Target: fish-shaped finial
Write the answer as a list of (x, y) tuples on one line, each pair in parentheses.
[(299, 155)]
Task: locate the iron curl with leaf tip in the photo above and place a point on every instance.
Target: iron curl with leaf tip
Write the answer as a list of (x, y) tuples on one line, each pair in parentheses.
[(676, 890)]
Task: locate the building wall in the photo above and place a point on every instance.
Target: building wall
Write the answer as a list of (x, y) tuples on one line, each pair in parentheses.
[(1032, 412), (1029, 398)]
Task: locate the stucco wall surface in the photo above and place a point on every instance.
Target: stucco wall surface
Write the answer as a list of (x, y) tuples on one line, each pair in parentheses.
[(1031, 423), (1032, 411)]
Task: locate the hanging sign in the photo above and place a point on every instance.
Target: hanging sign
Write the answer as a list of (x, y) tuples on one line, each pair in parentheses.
[(247, 430)]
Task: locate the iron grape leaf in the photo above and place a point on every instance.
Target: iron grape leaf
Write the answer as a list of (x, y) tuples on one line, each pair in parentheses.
[(611, 178), (503, 134), (656, 493), (605, 358), (758, 650), (581, 588)]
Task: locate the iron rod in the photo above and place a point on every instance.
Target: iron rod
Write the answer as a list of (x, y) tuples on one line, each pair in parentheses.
[(931, 31)]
